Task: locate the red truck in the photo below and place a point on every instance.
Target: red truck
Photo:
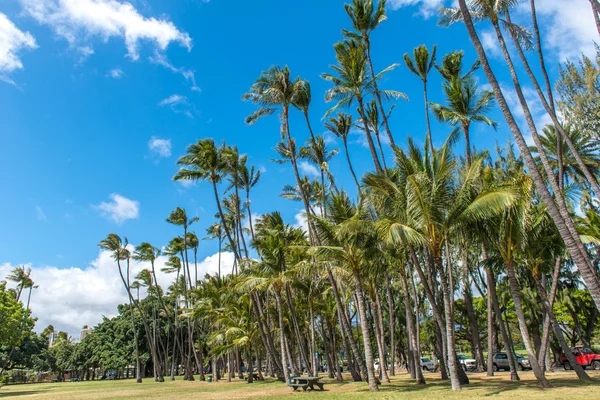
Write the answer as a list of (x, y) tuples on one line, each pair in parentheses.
[(584, 356)]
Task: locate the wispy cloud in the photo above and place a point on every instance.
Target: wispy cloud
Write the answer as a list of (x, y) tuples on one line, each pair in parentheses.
[(78, 21), (41, 215), (119, 209), (12, 42), (159, 147), (115, 73), (188, 74), (179, 104)]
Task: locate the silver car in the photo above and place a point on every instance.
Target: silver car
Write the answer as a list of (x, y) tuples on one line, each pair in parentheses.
[(427, 365), (501, 362)]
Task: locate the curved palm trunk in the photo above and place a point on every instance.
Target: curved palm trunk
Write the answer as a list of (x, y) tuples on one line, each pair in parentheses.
[(361, 110), (572, 244), (364, 325), (378, 327), (547, 322), (581, 374), (596, 11), (299, 338), (376, 131), (350, 164), (138, 364), (552, 113), (514, 291), (367, 42)]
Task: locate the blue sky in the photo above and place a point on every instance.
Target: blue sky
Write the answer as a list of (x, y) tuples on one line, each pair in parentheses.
[(98, 98)]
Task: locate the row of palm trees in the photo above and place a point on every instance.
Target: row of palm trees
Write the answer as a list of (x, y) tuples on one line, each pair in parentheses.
[(368, 273)]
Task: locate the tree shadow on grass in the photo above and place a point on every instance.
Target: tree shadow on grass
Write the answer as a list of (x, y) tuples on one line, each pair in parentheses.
[(7, 395)]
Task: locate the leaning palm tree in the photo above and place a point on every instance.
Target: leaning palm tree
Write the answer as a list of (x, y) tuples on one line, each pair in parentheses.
[(115, 244), (422, 64), (365, 18), (316, 151), (302, 102), (466, 103), (340, 126), (559, 212)]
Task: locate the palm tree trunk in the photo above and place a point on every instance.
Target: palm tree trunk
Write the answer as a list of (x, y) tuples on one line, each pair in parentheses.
[(361, 110), (552, 113), (547, 322), (514, 291), (313, 345), (376, 131), (596, 11), (410, 325), (282, 338), (465, 127), (581, 374), (223, 223), (367, 42), (135, 336), (378, 327), (364, 325), (392, 326), (299, 339), (452, 360), (427, 117), (347, 326), (581, 260), (467, 296), (350, 164)]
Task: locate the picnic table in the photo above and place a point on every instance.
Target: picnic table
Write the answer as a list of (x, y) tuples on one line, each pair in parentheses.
[(305, 382), (254, 376)]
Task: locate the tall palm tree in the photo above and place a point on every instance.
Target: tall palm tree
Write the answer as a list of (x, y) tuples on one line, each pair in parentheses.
[(316, 151), (115, 244), (21, 276), (249, 177), (302, 102), (559, 212), (373, 120), (215, 231), (421, 66), (366, 17), (340, 126), (353, 82), (466, 103), (204, 161)]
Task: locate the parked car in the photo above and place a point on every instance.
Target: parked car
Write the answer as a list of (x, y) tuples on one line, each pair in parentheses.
[(501, 362), (468, 364), (427, 364), (584, 356)]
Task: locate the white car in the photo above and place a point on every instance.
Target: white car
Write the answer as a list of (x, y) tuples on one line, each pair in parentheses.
[(468, 364), (427, 365)]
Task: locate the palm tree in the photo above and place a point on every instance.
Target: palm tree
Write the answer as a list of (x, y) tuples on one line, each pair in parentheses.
[(215, 231), (21, 276), (204, 161), (554, 144), (193, 242), (559, 212), (316, 151), (115, 244), (302, 102), (340, 126), (373, 120), (249, 177), (466, 103), (353, 82), (365, 18), (422, 64)]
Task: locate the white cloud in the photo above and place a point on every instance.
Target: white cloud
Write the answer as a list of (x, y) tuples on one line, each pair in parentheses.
[(72, 297), (308, 169), (120, 209), (568, 27), (12, 41), (41, 216), (179, 104), (427, 8), (159, 147), (115, 73), (489, 40), (79, 20)]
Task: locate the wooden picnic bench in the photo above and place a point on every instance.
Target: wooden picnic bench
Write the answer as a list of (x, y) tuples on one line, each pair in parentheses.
[(305, 382), (254, 376)]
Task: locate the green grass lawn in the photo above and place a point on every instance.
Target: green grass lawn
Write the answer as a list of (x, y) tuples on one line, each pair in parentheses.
[(566, 387)]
